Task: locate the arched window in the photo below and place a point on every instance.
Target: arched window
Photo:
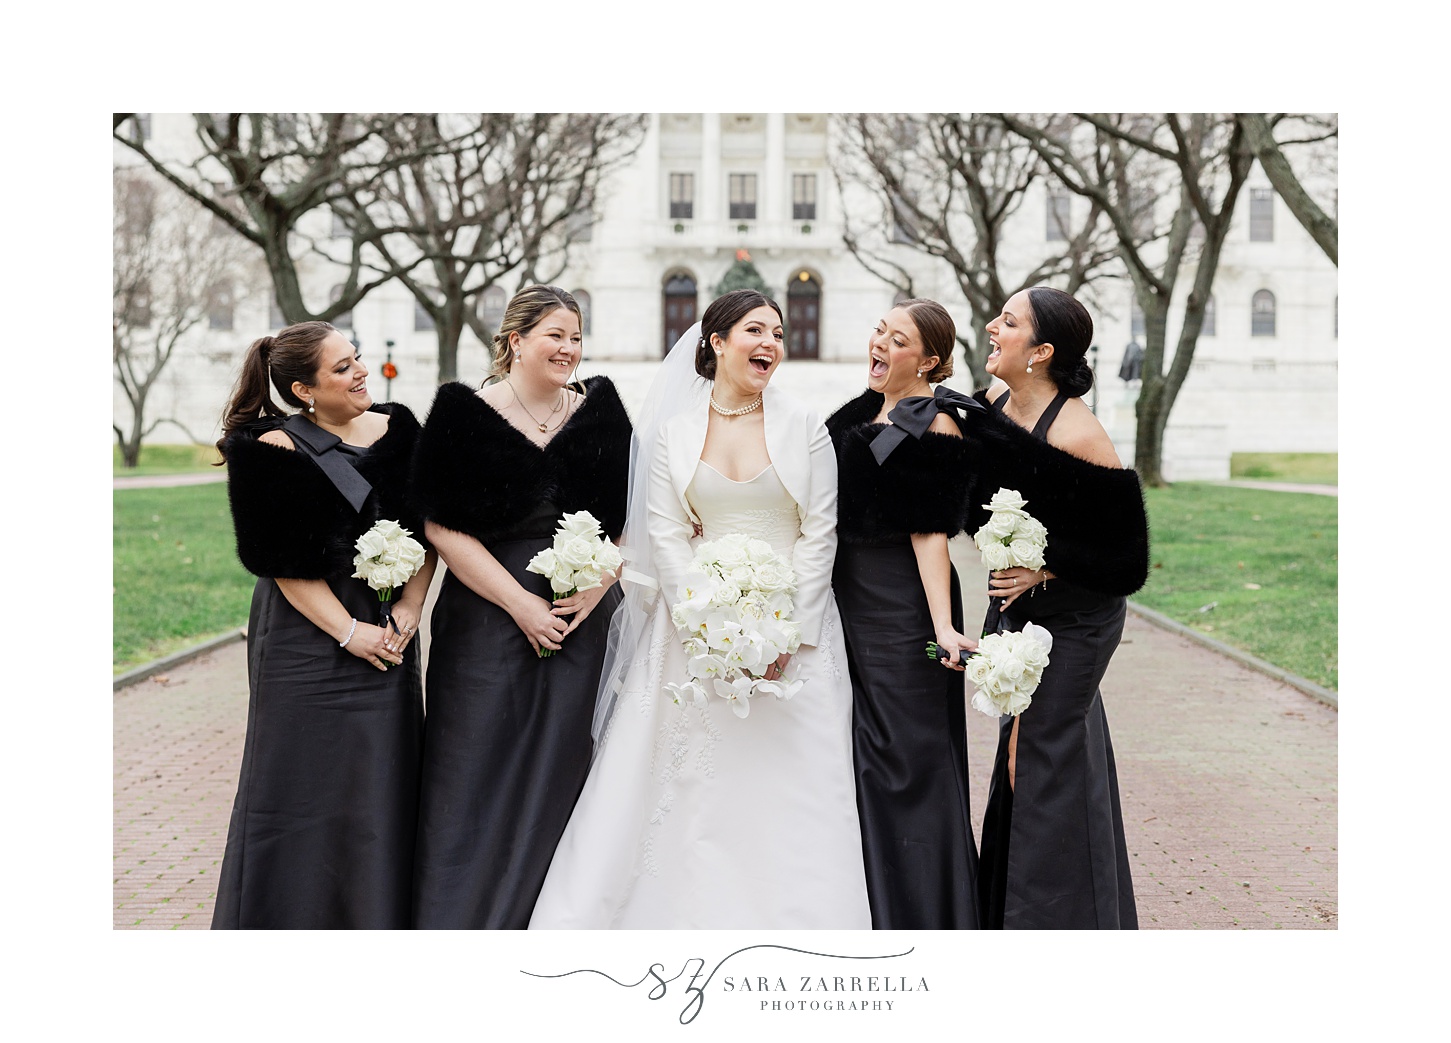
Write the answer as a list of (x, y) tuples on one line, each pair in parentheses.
[(678, 306), (581, 297), (1262, 314), (345, 320), (491, 308), (219, 307), (803, 317)]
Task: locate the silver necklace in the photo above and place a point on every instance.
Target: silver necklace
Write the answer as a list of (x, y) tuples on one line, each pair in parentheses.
[(557, 407), (735, 412)]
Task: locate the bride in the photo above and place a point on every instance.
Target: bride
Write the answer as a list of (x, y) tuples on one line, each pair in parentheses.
[(694, 817)]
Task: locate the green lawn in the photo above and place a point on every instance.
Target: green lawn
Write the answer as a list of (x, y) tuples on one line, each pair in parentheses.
[(175, 571), (166, 459), (1266, 562), (1313, 468)]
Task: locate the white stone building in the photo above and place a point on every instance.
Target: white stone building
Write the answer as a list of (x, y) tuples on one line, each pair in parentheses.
[(703, 186)]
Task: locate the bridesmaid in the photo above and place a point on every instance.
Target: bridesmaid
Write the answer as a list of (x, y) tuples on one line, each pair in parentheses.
[(322, 830), (1053, 851), (507, 743), (904, 469)]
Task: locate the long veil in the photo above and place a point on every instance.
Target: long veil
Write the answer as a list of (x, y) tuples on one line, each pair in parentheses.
[(676, 388)]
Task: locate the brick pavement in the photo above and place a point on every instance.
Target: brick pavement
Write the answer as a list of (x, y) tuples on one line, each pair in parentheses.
[(1228, 782)]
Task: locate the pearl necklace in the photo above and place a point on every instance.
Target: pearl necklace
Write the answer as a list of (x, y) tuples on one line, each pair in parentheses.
[(735, 412)]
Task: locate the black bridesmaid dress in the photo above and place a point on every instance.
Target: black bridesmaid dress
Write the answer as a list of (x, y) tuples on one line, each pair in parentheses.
[(507, 737), (322, 830), (909, 732), (1053, 848)]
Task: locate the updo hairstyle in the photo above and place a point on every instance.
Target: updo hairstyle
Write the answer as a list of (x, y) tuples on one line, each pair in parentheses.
[(1059, 319), (720, 317)]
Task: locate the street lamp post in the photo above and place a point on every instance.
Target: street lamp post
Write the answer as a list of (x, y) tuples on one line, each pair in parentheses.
[(1093, 365), (389, 372)]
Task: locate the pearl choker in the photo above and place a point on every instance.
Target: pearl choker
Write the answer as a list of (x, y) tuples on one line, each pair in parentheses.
[(735, 412)]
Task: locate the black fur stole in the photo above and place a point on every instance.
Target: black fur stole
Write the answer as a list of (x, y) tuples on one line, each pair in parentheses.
[(291, 522), (1098, 530), (921, 488), (475, 473)]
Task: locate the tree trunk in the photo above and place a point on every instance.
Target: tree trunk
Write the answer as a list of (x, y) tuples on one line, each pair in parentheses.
[(1155, 397), (449, 325)]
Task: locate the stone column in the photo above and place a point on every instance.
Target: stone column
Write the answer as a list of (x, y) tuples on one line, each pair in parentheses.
[(709, 207), (775, 191)]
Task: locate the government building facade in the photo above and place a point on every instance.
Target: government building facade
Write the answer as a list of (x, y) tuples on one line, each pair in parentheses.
[(707, 188)]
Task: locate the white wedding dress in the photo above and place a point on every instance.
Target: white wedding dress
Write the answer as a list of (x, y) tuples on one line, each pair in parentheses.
[(696, 818)]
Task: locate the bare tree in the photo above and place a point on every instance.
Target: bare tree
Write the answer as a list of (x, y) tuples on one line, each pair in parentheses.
[(172, 263), (1260, 129), (1138, 168), (483, 195), (949, 184), (265, 174)]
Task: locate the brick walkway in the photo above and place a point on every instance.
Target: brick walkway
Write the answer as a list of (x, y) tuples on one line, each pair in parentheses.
[(1228, 781)]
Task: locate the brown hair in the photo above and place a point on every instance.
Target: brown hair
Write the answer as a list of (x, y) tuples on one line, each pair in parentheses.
[(291, 356), (937, 332), (720, 316), (525, 311)]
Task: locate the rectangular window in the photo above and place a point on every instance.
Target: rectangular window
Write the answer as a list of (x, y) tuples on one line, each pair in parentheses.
[(422, 320), (682, 195), (743, 197), (1206, 329), (1261, 215), (803, 197), (1136, 320), (275, 318), (1060, 214)]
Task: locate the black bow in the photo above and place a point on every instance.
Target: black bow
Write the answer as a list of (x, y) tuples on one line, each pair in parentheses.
[(913, 416), (316, 443)]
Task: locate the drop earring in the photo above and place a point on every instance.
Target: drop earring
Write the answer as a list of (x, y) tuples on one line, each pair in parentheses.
[(1030, 367), (309, 407)]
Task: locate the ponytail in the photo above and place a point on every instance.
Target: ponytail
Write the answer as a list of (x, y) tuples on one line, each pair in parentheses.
[(289, 357)]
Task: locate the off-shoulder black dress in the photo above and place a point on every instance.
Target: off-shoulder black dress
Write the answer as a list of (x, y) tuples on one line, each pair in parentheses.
[(322, 830), (1053, 848), (507, 744), (909, 734)]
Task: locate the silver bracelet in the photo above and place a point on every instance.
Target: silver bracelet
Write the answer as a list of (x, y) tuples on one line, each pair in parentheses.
[(351, 631)]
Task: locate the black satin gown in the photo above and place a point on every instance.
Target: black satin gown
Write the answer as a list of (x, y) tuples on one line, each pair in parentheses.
[(322, 829), (507, 745), (1053, 848), (909, 729)]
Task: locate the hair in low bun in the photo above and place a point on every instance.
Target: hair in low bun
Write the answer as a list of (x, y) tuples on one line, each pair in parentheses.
[(1059, 319), (526, 309), (937, 332)]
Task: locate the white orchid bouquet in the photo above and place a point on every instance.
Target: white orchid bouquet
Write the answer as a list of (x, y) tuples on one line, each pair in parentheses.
[(577, 560), (1012, 537), (1006, 669), (734, 616), (388, 557)]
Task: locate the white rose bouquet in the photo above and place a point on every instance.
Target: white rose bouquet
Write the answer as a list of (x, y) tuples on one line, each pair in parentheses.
[(1012, 537), (734, 615), (388, 557), (1006, 669), (578, 559)]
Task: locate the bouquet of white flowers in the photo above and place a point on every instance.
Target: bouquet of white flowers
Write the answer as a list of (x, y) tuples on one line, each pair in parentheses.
[(734, 615), (1006, 669), (388, 556), (578, 560), (1012, 536)]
